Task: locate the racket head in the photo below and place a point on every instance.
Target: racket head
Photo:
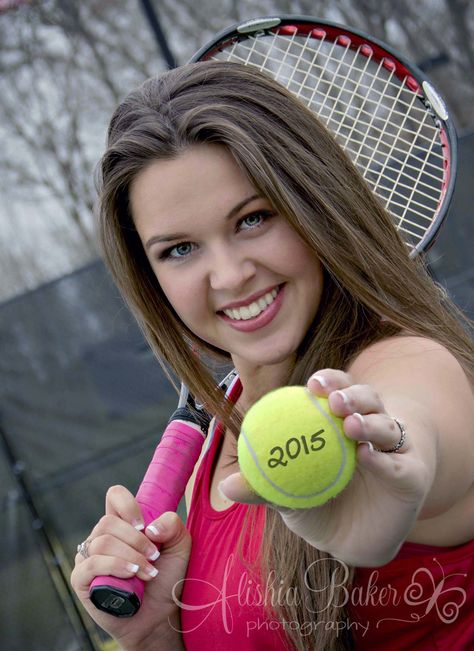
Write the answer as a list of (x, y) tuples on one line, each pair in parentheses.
[(381, 108)]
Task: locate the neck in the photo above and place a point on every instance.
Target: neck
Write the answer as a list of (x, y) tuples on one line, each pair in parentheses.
[(259, 380)]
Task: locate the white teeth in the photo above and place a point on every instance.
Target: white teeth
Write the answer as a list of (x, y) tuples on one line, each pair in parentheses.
[(244, 312), (254, 309)]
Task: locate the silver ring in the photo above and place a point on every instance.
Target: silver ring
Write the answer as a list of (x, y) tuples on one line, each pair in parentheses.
[(403, 435), (83, 548)]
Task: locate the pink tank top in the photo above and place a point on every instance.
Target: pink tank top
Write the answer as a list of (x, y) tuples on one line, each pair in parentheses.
[(423, 599), (222, 603)]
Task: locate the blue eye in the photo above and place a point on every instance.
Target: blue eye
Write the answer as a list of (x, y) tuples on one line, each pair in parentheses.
[(255, 219), (250, 222), (178, 251)]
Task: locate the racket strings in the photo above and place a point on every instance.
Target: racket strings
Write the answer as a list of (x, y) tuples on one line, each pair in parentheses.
[(382, 124), (285, 56), (289, 53), (371, 114), (414, 192), (394, 144)]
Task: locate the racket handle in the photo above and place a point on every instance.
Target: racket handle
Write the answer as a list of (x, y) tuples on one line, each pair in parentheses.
[(161, 490)]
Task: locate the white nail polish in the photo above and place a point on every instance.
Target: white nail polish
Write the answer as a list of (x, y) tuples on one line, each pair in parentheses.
[(369, 443), (131, 567), (359, 417), (344, 397), (152, 571), (139, 526), (153, 529), (319, 378), (154, 556)]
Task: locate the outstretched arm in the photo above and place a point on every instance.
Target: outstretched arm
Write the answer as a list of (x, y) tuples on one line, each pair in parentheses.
[(421, 384)]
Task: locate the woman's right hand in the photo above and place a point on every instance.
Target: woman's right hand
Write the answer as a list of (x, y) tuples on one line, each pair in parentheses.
[(116, 545)]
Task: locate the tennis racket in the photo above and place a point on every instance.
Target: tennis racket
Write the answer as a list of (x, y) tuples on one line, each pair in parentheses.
[(382, 110), (161, 490)]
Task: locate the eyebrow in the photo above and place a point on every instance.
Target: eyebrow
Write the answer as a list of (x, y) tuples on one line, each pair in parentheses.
[(180, 236)]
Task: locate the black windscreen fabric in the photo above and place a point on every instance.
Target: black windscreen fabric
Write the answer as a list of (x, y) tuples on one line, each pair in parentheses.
[(451, 258), (83, 405)]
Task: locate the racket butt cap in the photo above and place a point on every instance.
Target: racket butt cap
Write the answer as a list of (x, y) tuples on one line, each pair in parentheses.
[(115, 601)]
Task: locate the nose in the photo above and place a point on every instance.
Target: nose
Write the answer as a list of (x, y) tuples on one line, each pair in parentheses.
[(230, 269)]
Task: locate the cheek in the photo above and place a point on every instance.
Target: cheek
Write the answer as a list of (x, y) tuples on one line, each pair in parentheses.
[(302, 265), (296, 251), (170, 289), (298, 260), (184, 296)]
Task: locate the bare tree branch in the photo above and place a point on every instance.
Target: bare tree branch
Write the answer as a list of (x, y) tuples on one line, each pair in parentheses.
[(65, 64)]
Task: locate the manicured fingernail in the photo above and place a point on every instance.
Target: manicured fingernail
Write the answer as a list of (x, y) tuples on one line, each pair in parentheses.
[(139, 526), (319, 378), (131, 567), (344, 397), (153, 554), (368, 443), (360, 418), (152, 571), (153, 529)]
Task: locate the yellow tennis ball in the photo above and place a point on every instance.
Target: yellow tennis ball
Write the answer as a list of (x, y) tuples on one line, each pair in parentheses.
[(293, 451)]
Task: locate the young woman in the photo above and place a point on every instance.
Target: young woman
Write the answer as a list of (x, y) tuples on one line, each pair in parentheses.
[(233, 223)]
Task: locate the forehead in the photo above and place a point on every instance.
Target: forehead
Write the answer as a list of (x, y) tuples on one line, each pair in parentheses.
[(203, 178)]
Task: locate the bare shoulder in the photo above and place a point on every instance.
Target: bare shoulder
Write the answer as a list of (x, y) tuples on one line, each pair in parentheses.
[(424, 377), (415, 362), (408, 348)]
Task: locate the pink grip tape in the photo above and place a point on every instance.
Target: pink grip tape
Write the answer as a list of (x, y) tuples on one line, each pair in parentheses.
[(165, 480), (161, 490)]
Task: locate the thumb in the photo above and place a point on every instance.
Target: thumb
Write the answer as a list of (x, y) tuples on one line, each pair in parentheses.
[(236, 488), (170, 532)]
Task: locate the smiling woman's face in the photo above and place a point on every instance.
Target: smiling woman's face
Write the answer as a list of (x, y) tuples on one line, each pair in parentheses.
[(235, 272)]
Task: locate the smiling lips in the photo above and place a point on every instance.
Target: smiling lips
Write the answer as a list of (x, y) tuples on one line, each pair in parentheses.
[(257, 314), (254, 309)]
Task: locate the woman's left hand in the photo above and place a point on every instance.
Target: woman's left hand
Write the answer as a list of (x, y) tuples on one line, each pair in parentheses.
[(368, 521)]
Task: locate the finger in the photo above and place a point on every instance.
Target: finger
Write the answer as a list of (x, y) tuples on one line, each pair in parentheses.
[(236, 488), (108, 545), (328, 379), (111, 536), (170, 532), (404, 473), (84, 573), (360, 398), (120, 501), (380, 429), (113, 525)]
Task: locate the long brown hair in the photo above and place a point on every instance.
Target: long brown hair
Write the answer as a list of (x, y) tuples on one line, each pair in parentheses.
[(372, 289)]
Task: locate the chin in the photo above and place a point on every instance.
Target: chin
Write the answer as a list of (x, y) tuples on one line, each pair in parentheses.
[(271, 358)]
